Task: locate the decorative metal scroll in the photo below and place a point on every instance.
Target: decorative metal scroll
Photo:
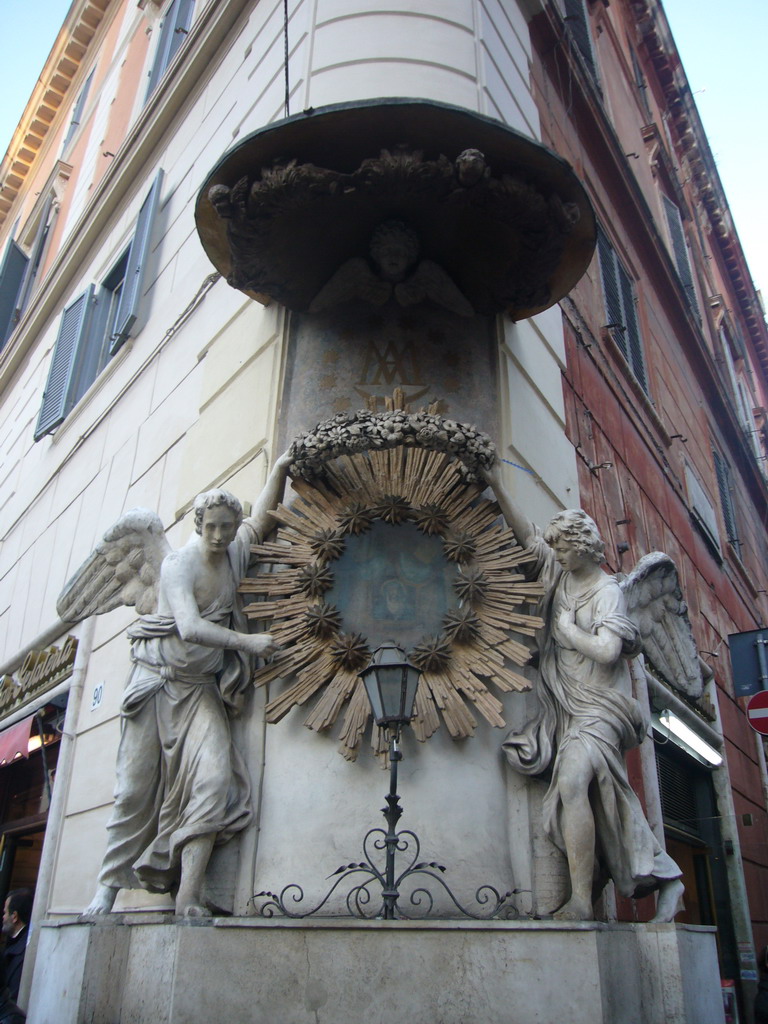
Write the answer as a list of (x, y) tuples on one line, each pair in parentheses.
[(360, 902), (473, 646)]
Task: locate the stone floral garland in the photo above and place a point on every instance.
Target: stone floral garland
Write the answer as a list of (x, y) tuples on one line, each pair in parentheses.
[(348, 433)]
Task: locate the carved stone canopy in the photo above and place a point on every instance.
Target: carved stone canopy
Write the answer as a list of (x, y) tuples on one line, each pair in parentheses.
[(502, 217)]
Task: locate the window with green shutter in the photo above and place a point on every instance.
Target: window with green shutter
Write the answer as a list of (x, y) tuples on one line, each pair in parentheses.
[(723, 474), (99, 322), (577, 20), (61, 389), (173, 28), (620, 306), (78, 109), (12, 273), (680, 252)]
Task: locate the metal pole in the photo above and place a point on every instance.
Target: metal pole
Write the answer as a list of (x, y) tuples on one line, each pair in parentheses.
[(763, 662), (43, 755), (392, 813)]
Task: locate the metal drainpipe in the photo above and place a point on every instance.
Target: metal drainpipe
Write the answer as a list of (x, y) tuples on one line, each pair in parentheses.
[(58, 804)]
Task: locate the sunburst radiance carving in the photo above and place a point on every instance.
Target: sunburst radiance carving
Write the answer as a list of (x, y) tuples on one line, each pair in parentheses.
[(356, 518), (321, 656), (460, 546), (462, 626), (351, 651), (315, 579), (471, 585), (393, 509), (327, 544), (432, 655), (432, 520), (323, 619)]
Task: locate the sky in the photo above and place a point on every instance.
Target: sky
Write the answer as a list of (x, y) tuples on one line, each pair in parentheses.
[(725, 58), (724, 50)]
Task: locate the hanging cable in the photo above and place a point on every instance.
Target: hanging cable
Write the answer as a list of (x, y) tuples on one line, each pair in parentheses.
[(285, 38)]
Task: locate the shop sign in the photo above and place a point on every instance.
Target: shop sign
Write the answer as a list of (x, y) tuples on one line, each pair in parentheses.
[(40, 672)]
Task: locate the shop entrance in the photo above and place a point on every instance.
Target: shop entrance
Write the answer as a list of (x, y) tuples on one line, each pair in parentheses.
[(26, 784), (694, 840)]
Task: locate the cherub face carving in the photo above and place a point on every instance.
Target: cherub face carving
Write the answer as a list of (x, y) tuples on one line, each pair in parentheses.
[(394, 248)]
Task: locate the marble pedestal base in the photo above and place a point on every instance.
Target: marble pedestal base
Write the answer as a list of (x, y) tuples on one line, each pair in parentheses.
[(154, 970)]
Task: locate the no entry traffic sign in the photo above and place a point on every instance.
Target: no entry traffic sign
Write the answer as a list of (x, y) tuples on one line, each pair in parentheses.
[(757, 712)]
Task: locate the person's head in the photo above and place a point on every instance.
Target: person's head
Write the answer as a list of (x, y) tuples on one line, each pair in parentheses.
[(218, 515), (17, 910), (574, 537), (394, 247)]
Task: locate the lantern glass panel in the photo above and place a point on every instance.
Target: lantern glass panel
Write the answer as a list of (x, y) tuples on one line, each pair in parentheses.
[(391, 682), (392, 686)]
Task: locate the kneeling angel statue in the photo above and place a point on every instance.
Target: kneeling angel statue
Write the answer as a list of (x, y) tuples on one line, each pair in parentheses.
[(181, 784), (588, 718)]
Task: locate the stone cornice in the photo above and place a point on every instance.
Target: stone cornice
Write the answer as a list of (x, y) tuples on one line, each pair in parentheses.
[(693, 145), (45, 103), (551, 31), (180, 84)]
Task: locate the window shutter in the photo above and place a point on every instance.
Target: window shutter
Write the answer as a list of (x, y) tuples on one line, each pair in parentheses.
[(578, 22), (620, 307), (634, 348), (726, 500), (642, 86), (607, 259), (11, 276), (36, 256), (172, 32), (58, 398), (702, 508), (680, 251), (77, 113), (130, 299)]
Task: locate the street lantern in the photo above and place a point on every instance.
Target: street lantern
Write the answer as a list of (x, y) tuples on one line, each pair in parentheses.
[(391, 682)]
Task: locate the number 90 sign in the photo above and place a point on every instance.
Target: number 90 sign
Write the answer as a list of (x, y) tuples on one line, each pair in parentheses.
[(98, 696)]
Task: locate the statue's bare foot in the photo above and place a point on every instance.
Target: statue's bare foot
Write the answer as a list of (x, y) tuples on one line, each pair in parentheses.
[(102, 902), (192, 910), (575, 909), (670, 901)]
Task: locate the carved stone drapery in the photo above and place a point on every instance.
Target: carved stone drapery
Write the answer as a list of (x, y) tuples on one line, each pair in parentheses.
[(502, 224), (258, 206)]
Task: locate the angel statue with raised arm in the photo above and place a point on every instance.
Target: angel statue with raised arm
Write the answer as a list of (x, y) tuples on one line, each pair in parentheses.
[(181, 784), (587, 717)]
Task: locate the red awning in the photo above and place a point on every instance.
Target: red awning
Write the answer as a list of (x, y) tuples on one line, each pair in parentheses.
[(14, 741)]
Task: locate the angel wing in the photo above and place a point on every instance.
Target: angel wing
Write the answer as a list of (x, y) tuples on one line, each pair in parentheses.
[(353, 280), (655, 604), (430, 281), (123, 570)]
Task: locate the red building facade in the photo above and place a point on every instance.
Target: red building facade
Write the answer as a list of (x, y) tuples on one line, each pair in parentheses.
[(665, 387)]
